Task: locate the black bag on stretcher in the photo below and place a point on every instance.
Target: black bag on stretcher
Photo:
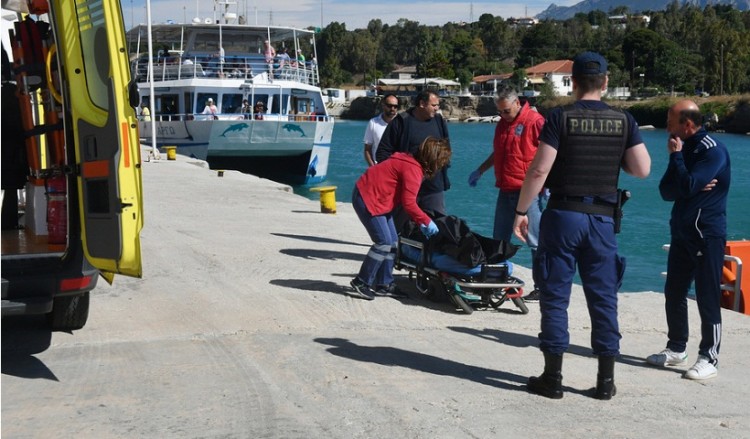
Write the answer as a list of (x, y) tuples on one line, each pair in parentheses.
[(469, 269), (456, 240)]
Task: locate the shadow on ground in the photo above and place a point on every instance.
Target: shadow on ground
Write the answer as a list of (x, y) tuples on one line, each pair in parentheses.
[(22, 338)]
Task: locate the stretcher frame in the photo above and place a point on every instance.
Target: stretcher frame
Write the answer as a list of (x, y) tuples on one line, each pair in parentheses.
[(466, 292)]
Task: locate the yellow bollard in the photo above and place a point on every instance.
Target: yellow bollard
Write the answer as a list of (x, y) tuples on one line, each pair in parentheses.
[(171, 152), (327, 198)]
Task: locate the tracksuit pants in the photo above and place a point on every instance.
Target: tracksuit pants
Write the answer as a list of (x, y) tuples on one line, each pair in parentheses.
[(701, 261)]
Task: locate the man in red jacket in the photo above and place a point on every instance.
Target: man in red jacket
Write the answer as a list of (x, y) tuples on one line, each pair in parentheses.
[(514, 146)]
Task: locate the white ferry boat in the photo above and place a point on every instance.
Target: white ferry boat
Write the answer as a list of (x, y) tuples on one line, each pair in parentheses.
[(288, 140)]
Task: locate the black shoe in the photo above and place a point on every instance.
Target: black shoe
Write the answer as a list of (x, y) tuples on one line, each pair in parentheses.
[(362, 289), (391, 291), (546, 385), (549, 383), (532, 296), (605, 379), (605, 389)]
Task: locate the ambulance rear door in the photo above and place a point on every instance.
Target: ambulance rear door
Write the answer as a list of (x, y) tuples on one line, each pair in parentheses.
[(93, 55)]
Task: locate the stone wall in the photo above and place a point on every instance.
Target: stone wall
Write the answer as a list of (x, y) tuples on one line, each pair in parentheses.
[(453, 107), (460, 108)]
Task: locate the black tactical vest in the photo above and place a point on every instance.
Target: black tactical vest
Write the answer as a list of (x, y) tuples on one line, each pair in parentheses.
[(591, 149)]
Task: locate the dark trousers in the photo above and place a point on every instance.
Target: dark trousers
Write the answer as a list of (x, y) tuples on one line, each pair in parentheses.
[(702, 261), (568, 239), (377, 268)]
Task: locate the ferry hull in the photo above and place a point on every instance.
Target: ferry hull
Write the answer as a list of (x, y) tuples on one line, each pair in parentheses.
[(289, 151)]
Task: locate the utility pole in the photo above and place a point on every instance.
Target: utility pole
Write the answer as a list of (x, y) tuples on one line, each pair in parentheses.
[(721, 81)]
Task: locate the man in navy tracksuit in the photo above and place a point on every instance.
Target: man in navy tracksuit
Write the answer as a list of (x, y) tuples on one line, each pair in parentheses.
[(581, 150), (697, 180)]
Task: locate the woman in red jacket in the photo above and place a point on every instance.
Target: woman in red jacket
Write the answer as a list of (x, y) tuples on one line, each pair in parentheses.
[(381, 188)]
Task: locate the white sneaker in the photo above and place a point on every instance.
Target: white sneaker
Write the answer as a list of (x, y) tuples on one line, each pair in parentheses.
[(667, 357), (702, 369)]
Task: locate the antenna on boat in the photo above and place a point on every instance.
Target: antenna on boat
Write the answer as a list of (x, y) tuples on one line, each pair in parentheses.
[(154, 153)]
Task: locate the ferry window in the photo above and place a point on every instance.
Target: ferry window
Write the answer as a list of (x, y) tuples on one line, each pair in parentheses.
[(189, 103), (259, 98), (275, 104), (167, 104), (203, 100), (206, 42), (231, 103), (304, 105)]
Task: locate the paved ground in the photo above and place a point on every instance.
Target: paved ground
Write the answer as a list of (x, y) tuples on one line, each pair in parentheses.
[(243, 327)]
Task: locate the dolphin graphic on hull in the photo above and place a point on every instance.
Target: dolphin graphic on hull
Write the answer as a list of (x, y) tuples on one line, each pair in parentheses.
[(293, 128), (236, 127)]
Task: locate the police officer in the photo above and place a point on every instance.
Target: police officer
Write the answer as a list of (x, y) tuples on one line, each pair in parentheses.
[(578, 226)]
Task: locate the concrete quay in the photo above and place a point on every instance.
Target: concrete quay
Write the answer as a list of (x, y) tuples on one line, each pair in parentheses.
[(243, 327)]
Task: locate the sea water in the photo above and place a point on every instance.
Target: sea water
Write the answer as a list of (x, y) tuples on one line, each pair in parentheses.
[(645, 226)]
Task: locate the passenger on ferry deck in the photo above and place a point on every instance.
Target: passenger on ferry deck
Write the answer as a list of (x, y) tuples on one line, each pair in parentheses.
[(211, 108), (284, 59), (259, 110), (270, 53)]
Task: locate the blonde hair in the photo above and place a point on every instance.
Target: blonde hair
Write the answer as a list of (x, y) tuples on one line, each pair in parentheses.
[(433, 154)]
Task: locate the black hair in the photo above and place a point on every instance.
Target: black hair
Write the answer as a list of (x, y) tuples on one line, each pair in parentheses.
[(424, 96)]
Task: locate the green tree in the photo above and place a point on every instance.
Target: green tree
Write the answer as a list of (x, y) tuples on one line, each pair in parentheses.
[(332, 44), (540, 44)]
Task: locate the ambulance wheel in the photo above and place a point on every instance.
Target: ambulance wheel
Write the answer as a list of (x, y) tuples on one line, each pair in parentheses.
[(69, 312)]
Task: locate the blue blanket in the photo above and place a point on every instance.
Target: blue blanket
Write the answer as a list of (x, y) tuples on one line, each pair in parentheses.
[(444, 263)]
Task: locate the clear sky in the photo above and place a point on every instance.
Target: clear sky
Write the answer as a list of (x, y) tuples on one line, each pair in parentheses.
[(354, 13)]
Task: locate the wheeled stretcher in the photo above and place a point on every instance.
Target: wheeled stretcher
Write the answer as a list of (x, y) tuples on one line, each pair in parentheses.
[(438, 275)]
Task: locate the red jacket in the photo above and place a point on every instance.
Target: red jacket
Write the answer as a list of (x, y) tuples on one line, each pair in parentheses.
[(392, 182), (514, 147)]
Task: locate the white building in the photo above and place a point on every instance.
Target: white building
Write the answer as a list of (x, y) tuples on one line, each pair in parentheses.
[(557, 72)]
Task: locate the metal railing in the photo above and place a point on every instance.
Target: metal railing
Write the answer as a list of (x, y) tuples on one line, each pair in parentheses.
[(173, 68), (269, 117)]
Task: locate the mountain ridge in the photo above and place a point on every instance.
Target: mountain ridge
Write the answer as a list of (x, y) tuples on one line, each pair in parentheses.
[(634, 6)]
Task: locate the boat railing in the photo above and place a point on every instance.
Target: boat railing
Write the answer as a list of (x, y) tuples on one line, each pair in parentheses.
[(272, 117), (174, 68)]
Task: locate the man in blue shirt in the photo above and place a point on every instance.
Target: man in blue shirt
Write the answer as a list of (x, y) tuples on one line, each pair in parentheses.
[(697, 180), (578, 228)]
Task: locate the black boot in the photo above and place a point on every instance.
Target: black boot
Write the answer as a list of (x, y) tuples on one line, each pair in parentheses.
[(549, 383), (605, 379)]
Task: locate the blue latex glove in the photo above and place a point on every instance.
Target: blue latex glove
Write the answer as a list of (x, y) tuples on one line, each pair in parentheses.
[(429, 230), (474, 177)]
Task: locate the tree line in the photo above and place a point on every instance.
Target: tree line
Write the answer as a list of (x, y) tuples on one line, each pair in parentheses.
[(683, 48)]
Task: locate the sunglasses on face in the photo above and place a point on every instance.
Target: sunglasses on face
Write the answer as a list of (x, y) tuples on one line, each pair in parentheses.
[(391, 105)]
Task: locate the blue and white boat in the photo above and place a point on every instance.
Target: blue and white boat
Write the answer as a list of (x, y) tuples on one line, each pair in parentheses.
[(289, 141)]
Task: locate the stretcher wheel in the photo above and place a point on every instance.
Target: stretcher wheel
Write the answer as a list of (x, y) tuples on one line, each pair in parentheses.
[(461, 303), (435, 290), (521, 305), (497, 300)]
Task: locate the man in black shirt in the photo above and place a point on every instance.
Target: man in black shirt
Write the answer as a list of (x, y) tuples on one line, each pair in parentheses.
[(406, 132)]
